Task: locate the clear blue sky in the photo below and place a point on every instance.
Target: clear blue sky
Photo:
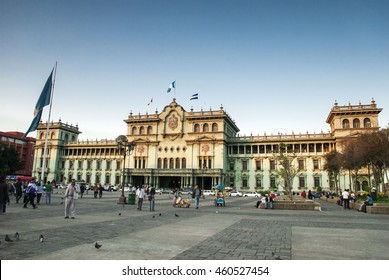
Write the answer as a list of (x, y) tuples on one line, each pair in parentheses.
[(272, 64)]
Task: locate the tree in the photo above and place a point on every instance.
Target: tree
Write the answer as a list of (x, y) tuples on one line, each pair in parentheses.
[(333, 165), (352, 158), (288, 170), (9, 160)]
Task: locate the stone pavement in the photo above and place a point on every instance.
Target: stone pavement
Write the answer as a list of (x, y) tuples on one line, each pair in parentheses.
[(238, 231)]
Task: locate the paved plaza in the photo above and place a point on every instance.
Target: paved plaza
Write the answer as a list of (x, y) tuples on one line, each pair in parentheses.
[(238, 231)]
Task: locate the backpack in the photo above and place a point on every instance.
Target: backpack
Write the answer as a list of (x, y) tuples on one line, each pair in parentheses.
[(30, 189)]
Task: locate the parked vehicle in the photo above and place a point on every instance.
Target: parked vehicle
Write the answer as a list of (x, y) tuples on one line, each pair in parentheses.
[(208, 192), (252, 194), (185, 191), (235, 193)]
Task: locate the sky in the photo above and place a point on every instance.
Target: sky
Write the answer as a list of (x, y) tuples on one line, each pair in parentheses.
[(274, 65)]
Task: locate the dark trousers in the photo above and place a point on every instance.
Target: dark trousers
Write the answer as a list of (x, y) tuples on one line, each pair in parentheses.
[(30, 198), (38, 198), (346, 203), (18, 197)]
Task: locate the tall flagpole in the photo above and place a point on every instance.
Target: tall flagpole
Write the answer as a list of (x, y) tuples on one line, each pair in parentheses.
[(47, 129)]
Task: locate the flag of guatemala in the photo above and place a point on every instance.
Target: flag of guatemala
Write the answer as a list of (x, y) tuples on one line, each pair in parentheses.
[(172, 85)]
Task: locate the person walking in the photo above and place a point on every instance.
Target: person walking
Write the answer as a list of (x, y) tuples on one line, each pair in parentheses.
[(30, 193), (39, 192), (4, 194), (152, 199), (196, 195), (141, 197), (48, 190), (101, 191), (18, 190), (71, 195), (95, 190)]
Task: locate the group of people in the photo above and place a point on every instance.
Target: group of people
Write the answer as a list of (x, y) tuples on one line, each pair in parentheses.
[(267, 201), (143, 191)]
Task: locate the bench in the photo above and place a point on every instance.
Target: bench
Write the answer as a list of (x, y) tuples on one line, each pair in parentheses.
[(294, 205)]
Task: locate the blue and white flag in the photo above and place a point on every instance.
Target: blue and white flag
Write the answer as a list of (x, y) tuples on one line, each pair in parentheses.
[(194, 96), (172, 85), (44, 100)]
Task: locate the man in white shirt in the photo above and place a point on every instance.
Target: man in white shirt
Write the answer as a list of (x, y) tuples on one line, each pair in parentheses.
[(346, 201), (141, 196)]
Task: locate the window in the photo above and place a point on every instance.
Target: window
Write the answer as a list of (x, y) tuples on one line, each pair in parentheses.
[(315, 164), (244, 182), (165, 163), (107, 179), (196, 128), (117, 165), (272, 165), (316, 181), (184, 163), (244, 165), (259, 183), (301, 182), (356, 123), (301, 164), (209, 163), (108, 165), (134, 130), (205, 128), (345, 124), (232, 165), (159, 165), (149, 130), (97, 180), (141, 130), (177, 163), (171, 163), (257, 165), (366, 123), (80, 164), (272, 182), (214, 127), (97, 164)]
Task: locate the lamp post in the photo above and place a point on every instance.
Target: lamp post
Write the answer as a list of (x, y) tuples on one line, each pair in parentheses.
[(124, 147)]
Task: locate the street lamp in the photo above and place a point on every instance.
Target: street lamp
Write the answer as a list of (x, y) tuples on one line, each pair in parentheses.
[(124, 147)]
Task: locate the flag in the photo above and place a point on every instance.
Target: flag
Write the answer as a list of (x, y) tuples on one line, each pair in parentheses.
[(172, 85), (44, 100), (194, 96), (151, 101)]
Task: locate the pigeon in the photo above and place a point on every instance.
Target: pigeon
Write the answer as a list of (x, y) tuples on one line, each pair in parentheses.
[(120, 214), (97, 245), (41, 238), (275, 256), (153, 216), (7, 238), (17, 236), (176, 215), (160, 214)]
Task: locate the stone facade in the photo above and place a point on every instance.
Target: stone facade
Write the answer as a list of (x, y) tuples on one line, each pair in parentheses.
[(176, 149)]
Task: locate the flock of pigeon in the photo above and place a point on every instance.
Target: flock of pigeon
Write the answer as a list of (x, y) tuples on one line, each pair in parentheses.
[(41, 237)]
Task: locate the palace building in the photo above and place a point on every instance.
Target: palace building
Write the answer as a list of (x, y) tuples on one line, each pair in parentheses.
[(177, 148)]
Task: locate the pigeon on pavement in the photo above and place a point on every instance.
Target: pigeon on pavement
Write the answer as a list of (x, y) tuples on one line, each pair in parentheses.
[(97, 245), (41, 238), (7, 238), (176, 215), (17, 236)]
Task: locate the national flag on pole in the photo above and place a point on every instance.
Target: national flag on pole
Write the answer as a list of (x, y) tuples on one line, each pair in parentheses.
[(194, 96), (44, 100), (151, 101), (172, 85)]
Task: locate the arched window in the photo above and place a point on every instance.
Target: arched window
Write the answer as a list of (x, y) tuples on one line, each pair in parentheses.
[(171, 163), (159, 166), (66, 138), (177, 163), (133, 130), (356, 123), (183, 163), (41, 135), (205, 127), (52, 135), (214, 127), (196, 128), (149, 130), (366, 122), (141, 130), (165, 163), (345, 124)]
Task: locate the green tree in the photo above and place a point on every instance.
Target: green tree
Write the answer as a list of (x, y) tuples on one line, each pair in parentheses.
[(287, 170), (333, 166), (9, 160)]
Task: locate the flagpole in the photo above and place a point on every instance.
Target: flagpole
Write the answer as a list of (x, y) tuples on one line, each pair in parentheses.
[(48, 126)]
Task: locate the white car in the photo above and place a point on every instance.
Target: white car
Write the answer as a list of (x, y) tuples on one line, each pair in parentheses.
[(236, 193), (208, 192), (252, 194)]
